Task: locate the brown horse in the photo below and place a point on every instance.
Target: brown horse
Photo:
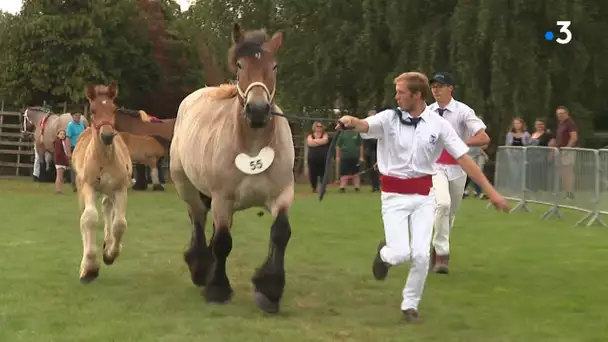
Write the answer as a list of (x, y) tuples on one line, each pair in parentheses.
[(147, 151), (103, 166), (140, 123), (230, 153)]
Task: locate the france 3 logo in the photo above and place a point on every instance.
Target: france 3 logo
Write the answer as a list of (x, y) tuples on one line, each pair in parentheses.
[(564, 30)]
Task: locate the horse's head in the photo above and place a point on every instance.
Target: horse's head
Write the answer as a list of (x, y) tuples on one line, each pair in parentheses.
[(103, 110), (253, 58)]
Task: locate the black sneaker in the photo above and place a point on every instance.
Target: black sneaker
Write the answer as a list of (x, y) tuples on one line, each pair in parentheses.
[(380, 268)]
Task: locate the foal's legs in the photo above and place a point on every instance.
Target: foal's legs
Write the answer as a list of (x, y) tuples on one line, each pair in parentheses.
[(269, 280), (217, 289), (112, 246), (89, 267)]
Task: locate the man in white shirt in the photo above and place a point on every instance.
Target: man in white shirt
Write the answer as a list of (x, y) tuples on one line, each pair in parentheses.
[(410, 139), (450, 179)]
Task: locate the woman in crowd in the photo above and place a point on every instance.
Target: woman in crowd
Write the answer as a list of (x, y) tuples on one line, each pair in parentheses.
[(318, 144)]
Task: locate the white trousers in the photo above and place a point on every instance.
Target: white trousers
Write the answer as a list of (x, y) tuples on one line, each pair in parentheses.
[(408, 228), (48, 157), (448, 194)]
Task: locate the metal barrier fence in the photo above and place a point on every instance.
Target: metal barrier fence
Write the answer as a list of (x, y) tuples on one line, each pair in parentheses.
[(572, 178)]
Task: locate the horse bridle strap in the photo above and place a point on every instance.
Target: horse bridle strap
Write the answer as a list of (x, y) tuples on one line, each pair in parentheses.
[(243, 94), (102, 123), (329, 158)]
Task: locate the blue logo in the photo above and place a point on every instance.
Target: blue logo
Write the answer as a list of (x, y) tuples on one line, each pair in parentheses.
[(433, 139)]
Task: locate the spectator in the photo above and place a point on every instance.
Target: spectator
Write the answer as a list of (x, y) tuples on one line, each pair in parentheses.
[(62, 159), (72, 132), (566, 135), (349, 154), (480, 158), (517, 136), (539, 175), (318, 143), (369, 150)]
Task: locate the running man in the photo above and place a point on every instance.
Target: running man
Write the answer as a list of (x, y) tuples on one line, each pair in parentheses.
[(410, 138), (450, 179)]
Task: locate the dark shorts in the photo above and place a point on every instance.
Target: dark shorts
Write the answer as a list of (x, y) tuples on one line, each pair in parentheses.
[(349, 166)]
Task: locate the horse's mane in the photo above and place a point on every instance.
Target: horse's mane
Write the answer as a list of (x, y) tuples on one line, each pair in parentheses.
[(224, 91), (41, 109)]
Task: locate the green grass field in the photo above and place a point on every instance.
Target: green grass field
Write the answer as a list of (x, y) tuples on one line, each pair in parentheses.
[(513, 277)]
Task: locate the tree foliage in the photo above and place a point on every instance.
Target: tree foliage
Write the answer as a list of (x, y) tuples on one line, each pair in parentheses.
[(342, 53)]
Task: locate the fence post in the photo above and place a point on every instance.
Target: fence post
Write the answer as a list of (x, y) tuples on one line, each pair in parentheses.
[(522, 204), (554, 209), (593, 215)]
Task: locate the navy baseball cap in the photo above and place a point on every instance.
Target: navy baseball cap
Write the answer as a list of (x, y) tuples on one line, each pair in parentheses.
[(443, 78)]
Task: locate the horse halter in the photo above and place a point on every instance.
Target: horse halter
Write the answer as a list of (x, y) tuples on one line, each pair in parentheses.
[(97, 125), (243, 94), (26, 120)]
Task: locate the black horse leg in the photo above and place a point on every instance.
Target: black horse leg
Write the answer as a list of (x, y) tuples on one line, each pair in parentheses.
[(269, 280), (141, 183), (198, 256), (218, 289)]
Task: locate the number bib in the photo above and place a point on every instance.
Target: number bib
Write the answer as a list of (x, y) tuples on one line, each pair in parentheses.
[(254, 165)]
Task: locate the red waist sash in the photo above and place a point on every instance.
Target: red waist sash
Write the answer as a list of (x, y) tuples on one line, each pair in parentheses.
[(446, 158), (406, 186)]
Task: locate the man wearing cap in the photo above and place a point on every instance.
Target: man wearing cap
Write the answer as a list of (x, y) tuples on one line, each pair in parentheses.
[(449, 180)]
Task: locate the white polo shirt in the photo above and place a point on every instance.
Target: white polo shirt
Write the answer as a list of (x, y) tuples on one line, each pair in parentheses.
[(466, 124), (408, 152)]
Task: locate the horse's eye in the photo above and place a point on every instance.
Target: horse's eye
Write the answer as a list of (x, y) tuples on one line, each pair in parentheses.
[(275, 67), (238, 65)]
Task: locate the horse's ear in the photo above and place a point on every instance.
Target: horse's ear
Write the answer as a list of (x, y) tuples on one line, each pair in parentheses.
[(275, 42), (90, 92), (113, 90), (237, 33)]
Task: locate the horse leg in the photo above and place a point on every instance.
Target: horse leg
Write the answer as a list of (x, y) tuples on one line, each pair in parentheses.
[(218, 289), (89, 268), (156, 186), (198, 256), (269, 279), (140, 177), (107, 204), (111, 248)]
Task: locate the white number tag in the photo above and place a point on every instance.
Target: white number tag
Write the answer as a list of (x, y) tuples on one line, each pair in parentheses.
[(254, 165)]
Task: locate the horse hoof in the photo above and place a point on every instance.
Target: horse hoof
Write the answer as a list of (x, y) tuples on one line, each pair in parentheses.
[(88, 276), (108, 260), (217, 294), (265, 304), (158, 187)]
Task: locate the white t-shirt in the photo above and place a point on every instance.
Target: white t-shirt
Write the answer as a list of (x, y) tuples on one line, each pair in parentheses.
[(408, 152)]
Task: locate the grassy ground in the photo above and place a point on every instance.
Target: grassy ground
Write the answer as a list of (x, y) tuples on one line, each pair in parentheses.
[(514, 278)]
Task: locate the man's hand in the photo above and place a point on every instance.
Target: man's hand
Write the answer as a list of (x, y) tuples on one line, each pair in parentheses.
[(499, 202), (348, 121)]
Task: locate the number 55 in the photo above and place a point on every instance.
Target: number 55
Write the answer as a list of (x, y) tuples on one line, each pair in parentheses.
[(564, 29)]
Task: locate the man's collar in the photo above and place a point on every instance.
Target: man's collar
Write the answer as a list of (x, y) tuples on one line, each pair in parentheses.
[(451, 106)]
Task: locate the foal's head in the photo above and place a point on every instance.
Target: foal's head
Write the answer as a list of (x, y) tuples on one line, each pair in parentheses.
[(253, 58), (101, 101)]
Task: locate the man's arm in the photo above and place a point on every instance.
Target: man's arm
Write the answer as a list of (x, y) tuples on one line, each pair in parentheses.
[(459, 150), (476, 128), (573, 139), (371, 127)]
